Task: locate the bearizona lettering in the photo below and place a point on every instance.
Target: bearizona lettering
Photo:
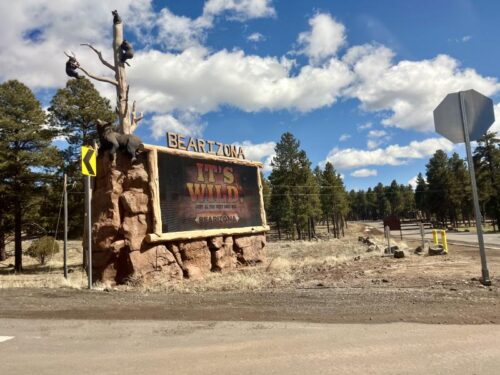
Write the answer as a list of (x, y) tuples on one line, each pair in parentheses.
[(180, 142)]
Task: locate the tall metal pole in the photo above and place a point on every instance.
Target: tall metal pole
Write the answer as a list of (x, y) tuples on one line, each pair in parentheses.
[(485, 280), (89, 230), (65, 226)]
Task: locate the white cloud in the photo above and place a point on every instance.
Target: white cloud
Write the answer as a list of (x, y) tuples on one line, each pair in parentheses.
[(198, 81), (364, 172), (263, 152), (377, 133), (185, 123), (391, 155), (377, 138), (365, 126), (413, 182), (409, 90), (240, 9), (373, 143), (496, 125), (178, 33), (323, 40), (35, 34), (466, 38), (256, 37), (344, 137)]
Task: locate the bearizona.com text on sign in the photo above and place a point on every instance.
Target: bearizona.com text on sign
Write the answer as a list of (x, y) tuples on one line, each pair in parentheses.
[(181, 142)]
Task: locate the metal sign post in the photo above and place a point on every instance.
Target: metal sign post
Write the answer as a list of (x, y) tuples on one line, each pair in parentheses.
[(88, 169), (65, 189), (88, 213), (466, 116), (477, 212)]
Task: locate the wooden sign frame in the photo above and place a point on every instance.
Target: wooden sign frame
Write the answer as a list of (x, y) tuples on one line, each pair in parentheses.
[(154, 187)]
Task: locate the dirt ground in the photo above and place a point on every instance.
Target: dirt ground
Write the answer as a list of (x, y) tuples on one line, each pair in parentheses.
[(331, 281)]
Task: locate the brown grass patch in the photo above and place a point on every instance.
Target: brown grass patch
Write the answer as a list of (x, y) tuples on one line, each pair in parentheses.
[(288, 264)]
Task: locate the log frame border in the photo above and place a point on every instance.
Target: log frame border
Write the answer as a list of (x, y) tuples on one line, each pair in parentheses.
[(154, 191)]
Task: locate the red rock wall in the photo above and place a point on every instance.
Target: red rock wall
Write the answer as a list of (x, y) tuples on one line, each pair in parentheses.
[(122, 216)]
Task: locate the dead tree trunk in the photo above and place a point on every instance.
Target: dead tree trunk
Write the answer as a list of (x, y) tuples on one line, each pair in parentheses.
[(3, 254), (127, 116), (18, 245), (121, 79)]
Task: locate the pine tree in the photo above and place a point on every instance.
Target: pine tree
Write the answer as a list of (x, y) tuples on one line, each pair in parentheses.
[(383, 204), (6, 219), (371, 201), (266, 191), (408, 200), (280, 208), (334, 199), (421, 201), (438, 180), (294, 190), (460, 192), (395, 198), (487, 163), (74, 111), (25, 151)]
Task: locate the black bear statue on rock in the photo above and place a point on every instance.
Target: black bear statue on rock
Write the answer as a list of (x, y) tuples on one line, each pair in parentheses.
[(111, 140)]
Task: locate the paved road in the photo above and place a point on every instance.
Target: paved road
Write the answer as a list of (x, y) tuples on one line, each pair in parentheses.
[(168, 347), (491, 240)]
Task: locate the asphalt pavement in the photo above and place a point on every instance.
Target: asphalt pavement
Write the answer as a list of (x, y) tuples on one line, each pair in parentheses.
[(169, 347), (491, 240)]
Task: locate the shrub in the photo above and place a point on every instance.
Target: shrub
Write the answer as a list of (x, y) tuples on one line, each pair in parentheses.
[(43, 248)]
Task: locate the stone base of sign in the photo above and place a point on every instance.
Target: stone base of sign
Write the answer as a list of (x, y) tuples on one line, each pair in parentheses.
[(121, 217)]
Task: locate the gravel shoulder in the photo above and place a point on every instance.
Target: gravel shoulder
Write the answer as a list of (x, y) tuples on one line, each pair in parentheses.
[(355, 287), (319, 305)]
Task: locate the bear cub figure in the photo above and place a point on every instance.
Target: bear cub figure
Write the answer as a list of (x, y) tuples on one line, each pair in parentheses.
[(111, 140)]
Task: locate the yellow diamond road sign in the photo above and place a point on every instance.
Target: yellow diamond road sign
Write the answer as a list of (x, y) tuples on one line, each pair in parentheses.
[(88, 161)]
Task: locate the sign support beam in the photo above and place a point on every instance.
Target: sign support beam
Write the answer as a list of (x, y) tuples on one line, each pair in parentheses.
[(485, 280), (65, 226), (88, 210)]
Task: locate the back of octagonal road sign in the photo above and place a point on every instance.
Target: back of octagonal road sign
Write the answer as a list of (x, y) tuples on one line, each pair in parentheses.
[(478, 110)]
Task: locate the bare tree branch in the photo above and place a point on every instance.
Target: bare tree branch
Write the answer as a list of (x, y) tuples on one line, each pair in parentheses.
[(135, 119), (102, 79), (99, 54)]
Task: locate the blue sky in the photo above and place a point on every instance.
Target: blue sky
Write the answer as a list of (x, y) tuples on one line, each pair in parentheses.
[(354, 81)]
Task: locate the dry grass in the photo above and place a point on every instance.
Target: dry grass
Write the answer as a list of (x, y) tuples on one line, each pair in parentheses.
[(288, 263), (49, 275)]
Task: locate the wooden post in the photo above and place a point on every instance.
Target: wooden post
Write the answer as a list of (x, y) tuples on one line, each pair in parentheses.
[(261, 199), (155, 194)]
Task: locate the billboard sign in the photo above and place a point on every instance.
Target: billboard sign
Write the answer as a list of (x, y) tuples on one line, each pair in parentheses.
[(200, 194)]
